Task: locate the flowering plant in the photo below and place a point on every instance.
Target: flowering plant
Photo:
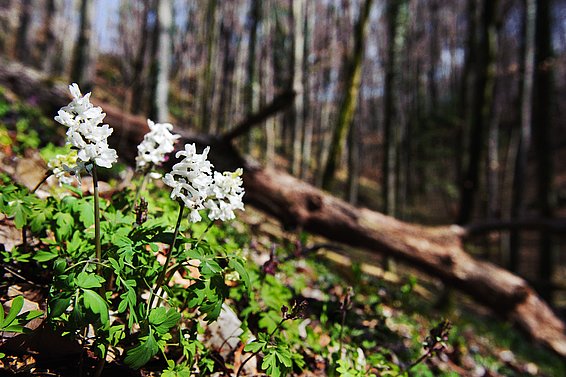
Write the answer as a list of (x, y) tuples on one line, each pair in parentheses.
[(199, 187), (116, 289), (156, 144), (85, 133)]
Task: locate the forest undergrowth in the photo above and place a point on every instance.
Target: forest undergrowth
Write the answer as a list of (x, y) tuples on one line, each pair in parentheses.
[(239, 297)]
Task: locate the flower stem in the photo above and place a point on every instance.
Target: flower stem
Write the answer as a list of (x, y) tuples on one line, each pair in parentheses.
[(162, 274), (96, 219)]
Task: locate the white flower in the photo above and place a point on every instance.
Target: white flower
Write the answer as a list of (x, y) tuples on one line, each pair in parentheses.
[(85, 134), (193, 181), (158, 142), (227, 193), (65, 168)]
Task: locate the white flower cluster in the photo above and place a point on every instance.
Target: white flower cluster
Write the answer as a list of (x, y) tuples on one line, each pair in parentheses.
[(155, 145), (194, 182), (65, 168), (84, 133)]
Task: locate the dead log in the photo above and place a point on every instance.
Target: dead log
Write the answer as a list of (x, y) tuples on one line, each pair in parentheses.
[(438, 251)]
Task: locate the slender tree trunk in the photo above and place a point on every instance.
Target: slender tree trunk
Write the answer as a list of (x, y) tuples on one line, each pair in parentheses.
[(389, 143), (138, 82), (250, 88), (81, 66), (481, 108), (164, 54), (518, 187), (352, 188), (351, 90), (153, 67), (22, 48), (541, 128), (268, 87), (48, 45), (307, 91), (298, 15), (325, 88), (228, 64), (434, 55), (208, 79), (466, 84)]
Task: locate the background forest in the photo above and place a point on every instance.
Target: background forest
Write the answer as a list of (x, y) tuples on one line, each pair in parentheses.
[(429, 111)]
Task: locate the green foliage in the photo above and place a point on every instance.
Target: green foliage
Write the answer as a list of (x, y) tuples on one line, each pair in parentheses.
[(15, 320)]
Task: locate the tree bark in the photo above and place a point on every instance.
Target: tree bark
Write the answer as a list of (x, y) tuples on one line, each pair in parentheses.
[(389, 142), (438, 251), (81, 65), (484, 80), (298, 15), (22, 48), (348, 105), (518, 187), (48, 44), (541, 129), (164, 53)]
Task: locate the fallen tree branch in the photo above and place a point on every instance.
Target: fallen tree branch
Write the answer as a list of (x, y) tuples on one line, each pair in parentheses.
[(437, 251)]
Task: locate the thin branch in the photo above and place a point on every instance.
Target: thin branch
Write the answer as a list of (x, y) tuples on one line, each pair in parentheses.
[(281, 102)]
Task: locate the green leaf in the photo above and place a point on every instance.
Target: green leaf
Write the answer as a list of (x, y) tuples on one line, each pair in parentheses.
[(270, 365), (17, 305), (163, 320), (20, 211), (40, 218), (59, 306), (96, 304), (141, 354), (65, 223), (241, 270), (86, 213), (32, 314), (86, 281), (255, 346), (44, 256)]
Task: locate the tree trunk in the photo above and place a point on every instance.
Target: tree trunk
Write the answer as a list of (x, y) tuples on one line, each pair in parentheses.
[(250, 90), (484, 78), (81, 66), (165, 21), (22, 50), (518, 187), (138, 83), (307, 90), (541, 129), (298, 17), (351, 90), (208, 79), (389, 142), (48, 45)]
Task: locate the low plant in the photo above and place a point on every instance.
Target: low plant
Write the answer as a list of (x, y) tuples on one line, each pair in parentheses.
[(112, 261)]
